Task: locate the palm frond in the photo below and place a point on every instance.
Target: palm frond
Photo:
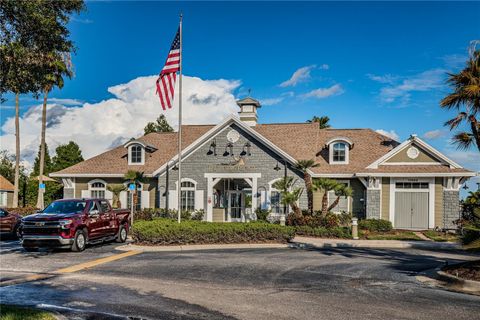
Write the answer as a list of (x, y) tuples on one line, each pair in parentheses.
[(463, 140), (453, 123)]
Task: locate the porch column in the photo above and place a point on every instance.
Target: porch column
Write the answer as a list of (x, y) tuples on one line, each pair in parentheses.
[(254, 194), (209, 199)]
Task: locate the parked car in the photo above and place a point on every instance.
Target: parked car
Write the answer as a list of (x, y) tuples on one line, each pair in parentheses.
[(74, 223), (9, 223)]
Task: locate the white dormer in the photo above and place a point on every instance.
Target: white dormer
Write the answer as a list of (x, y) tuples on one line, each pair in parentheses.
[(248, 111), (339, 150), (136, 151)]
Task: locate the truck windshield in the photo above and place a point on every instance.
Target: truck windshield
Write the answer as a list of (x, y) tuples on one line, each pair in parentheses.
[(65, 207)]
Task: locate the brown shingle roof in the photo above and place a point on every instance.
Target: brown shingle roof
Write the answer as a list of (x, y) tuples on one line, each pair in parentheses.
[(299, 140), (6, 185)]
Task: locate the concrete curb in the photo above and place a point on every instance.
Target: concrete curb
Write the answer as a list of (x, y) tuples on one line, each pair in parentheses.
[(130, 247), (305, 242), (441, 279)]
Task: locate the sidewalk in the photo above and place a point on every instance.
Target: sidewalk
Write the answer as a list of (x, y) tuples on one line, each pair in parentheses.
[(306, 242)]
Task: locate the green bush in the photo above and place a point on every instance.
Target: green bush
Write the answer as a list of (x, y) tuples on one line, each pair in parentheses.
[(23, 211), (168, 232), (262, 214), (322, 232), (330, 220), (150, 213), (375, 225)]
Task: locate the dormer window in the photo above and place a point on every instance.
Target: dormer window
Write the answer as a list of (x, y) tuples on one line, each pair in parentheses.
[(339, 152), (136, 154), (339, 149)]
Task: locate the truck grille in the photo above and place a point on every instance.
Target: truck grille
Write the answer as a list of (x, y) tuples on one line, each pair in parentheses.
[(40, 227)]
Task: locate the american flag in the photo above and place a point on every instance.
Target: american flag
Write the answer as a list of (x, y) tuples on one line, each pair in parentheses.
[(168, 75)]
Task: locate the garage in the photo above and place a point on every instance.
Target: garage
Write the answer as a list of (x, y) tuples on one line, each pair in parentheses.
[(411, 205)]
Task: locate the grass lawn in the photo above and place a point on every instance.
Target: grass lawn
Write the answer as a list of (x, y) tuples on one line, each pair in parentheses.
[(8, 312), (390, 235), (440, 236)]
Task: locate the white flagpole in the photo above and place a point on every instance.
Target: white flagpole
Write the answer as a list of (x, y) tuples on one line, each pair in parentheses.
[(179, 191)]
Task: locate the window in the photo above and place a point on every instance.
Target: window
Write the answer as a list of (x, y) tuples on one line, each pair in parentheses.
[(276, 206), (104, 206), (339, 152), (187, 196), (136, 152), (411, 185), (97, 190)]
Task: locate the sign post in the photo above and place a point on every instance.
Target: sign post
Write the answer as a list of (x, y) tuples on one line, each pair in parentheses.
[(131, 187)]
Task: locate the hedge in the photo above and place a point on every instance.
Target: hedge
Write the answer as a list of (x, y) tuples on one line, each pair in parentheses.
[(375, 225), (160, 231), (322, 232)]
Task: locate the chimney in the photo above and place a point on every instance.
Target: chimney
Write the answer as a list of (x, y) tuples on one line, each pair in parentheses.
[(248, 111)]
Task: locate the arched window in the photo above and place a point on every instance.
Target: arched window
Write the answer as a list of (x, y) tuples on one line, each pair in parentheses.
[(136, 154), (276, 206), (339, 152), (97, 189), (187, 196)]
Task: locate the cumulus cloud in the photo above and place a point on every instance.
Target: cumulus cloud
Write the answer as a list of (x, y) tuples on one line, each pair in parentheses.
[(321, 93), (434, 134), (301, 75), (391, 134), (97, 127), (68, 102)]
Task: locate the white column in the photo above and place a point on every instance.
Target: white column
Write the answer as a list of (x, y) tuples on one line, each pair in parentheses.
[(210, 199), (254, 195)]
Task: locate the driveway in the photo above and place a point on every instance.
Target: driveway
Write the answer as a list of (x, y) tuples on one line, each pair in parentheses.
[(245, 284)]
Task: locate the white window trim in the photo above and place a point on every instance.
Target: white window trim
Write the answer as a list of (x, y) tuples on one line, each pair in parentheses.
[(91, 182), (194, 189), (130, 163), (330, 152), (349, 209), (270, 190), (431, 197)]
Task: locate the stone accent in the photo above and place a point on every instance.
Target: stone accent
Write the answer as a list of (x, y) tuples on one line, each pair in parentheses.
[(451, 208), (373, 204)]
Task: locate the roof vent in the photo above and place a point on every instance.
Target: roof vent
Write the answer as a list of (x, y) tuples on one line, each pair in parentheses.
[(248, 110)]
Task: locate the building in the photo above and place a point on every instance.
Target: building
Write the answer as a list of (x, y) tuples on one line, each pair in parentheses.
[(6, 193), (229, 169)]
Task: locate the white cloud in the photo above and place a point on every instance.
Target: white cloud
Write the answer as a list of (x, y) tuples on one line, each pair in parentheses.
[(324, 67), (95, 127), (68, 102), (454, 61), (321, 93), (387, 78), (301, 75), (424, 81), (271, 101), (434, 134), (391, 134)]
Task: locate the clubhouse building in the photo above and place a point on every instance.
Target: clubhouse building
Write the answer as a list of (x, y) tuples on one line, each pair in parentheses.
[(228, 170)]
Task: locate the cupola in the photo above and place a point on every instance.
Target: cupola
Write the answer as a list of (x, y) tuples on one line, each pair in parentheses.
[(248, 110)]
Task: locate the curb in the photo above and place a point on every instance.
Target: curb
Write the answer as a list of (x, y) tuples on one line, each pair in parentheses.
[(441, 279), (197, 247)]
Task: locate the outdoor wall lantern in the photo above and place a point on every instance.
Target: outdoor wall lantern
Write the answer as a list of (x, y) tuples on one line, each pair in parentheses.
[(213, 148), (247, 152), (228, 149), (175, 168), (277, 167)]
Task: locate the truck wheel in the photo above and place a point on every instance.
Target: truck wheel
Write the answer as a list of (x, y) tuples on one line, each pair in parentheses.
[(122, 234), (16, 232), (79, 242)]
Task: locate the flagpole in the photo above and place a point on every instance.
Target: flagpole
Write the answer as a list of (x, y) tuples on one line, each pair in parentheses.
[(179, 193)]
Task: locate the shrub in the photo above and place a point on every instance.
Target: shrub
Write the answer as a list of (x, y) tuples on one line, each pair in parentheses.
[(25, 211), (198, 215), (262, 214), (322, 232), (330, 220), (168, 232), (375, 225)]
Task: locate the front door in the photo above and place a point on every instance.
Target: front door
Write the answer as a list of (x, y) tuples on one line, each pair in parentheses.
[(235, 206), (411, 210)]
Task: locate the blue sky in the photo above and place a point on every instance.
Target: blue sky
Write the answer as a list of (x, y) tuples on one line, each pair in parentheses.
[(377, 65)]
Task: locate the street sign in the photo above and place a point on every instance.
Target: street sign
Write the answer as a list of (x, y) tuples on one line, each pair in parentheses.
[(131, 186), (41, 185)]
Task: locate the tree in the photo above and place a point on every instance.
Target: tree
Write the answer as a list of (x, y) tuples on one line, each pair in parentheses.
[(304, 166), (290, 195), (134, 177), (324, 185), (36, 163), (471, 221), (161, 125), (7, 168), (116, 189), (323, 122), (341, 190), (465, 99), (66, 155)]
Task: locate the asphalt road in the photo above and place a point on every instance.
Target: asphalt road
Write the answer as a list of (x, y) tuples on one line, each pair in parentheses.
[(242, 284)]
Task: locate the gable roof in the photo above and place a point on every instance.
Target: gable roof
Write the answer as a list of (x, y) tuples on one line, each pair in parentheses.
[(6, 185), (292, 141)]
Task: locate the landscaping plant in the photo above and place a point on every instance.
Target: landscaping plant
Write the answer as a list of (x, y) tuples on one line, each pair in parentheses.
[(471, 221)]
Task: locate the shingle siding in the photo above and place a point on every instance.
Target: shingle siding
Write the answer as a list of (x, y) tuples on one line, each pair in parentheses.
[(451, 208)]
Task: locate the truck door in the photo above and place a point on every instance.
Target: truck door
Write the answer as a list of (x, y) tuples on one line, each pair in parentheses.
[(95, 221), (108, 217)]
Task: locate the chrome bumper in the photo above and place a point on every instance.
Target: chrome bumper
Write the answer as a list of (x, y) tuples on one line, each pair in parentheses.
[(60, 240)]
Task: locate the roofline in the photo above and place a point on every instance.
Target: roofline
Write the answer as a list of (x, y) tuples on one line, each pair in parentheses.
[(421, 174), (404, 144), (90, 175)]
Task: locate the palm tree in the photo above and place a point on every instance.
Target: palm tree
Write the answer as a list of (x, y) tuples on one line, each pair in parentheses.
[(322, 122), (116, 189), (290, 195), (466, 94), (324, 185), (341, 190), (304, 166), (134, 177)]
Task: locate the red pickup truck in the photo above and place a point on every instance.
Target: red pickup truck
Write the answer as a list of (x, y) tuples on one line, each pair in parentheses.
[(74, 223)]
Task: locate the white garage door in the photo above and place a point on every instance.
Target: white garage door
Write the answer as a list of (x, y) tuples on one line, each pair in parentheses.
[(411, 206)]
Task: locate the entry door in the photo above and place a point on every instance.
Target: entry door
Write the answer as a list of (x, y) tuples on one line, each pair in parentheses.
[(235, 206), (411, 210)]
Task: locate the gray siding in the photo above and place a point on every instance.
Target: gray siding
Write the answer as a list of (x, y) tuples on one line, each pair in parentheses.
[(451, 208)]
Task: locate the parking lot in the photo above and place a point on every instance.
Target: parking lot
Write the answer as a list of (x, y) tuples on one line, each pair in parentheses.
[(238, 284)]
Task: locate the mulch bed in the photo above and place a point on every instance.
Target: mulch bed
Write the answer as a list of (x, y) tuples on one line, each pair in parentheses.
[(468, 270)]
